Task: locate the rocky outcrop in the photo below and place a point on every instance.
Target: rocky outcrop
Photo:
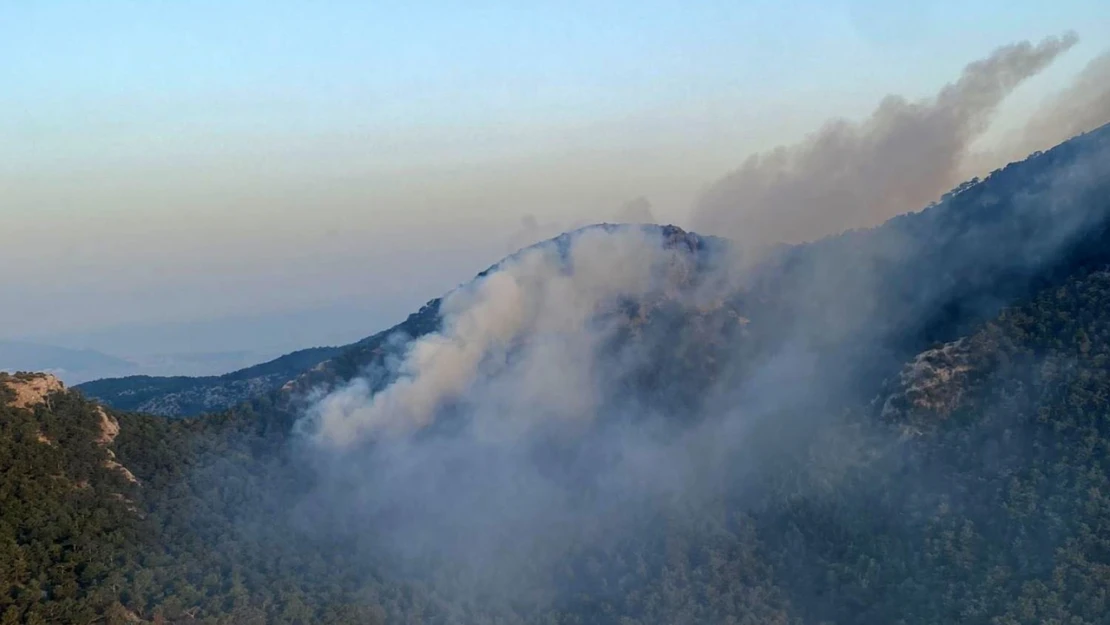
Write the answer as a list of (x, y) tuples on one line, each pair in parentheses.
[(932, 383), (109, 427), (31, 389), (109, 430)]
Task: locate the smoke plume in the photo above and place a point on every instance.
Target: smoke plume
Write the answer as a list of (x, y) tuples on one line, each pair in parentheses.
[(1081, 107), (849, 175), (530, 324), (525, 424)]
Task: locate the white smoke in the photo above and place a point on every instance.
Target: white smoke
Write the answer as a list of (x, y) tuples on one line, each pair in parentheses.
[(527, 331), (1080, 107)]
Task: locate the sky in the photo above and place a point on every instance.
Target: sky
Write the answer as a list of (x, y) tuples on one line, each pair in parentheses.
[(245, 163)]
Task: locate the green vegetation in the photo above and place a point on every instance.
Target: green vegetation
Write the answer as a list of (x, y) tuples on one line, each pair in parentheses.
[(67, 533)]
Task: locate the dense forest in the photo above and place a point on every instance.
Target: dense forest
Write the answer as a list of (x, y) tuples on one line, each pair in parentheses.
[(945, 458)]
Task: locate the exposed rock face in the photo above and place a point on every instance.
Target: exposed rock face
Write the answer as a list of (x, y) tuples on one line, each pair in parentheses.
[(111, 463), (109, 430), (31, 389), (934, 380)]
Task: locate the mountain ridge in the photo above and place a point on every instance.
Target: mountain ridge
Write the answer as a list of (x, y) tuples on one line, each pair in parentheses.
[(298, 371), (183, 396)]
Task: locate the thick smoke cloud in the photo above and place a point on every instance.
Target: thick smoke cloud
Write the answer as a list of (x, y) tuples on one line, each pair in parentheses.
[(849, 175)]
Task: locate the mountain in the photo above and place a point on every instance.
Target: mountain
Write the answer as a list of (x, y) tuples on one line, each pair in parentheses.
[(905, 424), (75, 365)]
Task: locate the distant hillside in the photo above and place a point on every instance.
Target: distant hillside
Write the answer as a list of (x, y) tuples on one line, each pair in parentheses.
[(184, 396)]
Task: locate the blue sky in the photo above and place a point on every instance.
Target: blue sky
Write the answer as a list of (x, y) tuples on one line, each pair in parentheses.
[(104, 79), (177, 160)]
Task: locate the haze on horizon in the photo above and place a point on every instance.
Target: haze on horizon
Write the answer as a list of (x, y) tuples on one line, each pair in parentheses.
[(318, 175)]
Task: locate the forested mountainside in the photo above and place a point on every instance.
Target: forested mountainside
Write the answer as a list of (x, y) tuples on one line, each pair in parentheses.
[(901, 425)]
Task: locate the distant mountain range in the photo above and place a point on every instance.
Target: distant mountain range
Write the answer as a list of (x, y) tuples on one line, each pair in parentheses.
[(77, 365), (73, 365)]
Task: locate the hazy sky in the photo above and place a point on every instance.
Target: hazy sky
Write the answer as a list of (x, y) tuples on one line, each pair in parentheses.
[(175, 161)]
